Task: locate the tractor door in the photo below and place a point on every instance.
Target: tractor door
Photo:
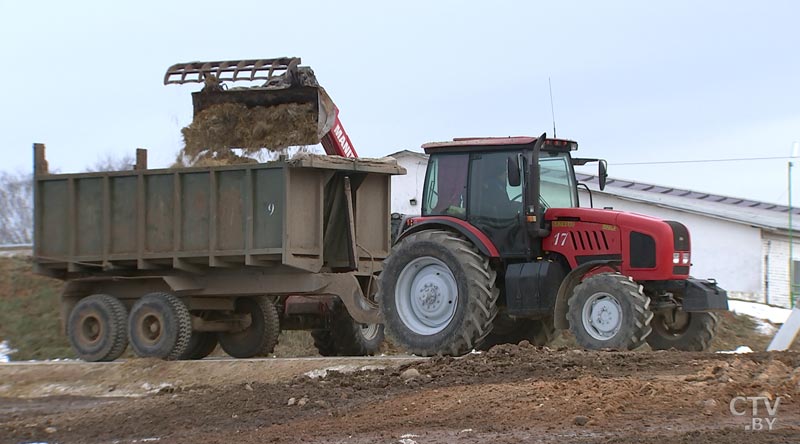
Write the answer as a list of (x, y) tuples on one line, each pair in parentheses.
[(495, 207)]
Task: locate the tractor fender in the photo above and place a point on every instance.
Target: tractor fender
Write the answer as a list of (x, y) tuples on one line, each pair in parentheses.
[(569, 283), (477, 237)]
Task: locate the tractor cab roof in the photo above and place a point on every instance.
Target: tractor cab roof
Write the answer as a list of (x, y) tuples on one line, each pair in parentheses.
[(496, 143)]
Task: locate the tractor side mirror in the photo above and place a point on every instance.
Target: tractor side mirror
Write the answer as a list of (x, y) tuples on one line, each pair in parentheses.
[(512, 167), (602, 173)]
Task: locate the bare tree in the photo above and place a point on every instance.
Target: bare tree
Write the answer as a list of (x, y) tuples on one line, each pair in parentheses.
[(16, 208), (107, 162)]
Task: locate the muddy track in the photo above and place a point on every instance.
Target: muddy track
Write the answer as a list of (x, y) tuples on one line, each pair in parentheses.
[(509, 394)]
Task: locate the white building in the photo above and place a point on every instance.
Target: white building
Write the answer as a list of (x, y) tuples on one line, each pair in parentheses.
[(407, 190), (743, 244)]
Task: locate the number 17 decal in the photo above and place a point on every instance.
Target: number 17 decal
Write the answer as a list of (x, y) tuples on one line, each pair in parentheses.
[(560, 239)]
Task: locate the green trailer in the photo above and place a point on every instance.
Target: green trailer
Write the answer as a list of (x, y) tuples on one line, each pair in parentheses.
[(174, 261)]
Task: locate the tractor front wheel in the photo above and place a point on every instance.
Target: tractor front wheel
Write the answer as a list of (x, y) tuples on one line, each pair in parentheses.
[(609, 311)]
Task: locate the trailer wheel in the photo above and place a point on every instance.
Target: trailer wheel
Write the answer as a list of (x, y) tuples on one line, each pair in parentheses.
[(201, 345), (160, 327), (437, 294), (348, 337), (609, 311), (97, 328), (683, 331), (261, 336), (538, 332)]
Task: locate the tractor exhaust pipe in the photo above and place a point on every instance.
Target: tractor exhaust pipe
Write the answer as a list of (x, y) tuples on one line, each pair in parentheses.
[(535, 215)]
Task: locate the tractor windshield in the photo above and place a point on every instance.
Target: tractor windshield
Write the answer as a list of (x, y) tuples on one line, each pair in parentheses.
[(557, 180)]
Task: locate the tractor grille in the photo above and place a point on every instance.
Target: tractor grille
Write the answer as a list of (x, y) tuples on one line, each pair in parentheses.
[(589, 240)]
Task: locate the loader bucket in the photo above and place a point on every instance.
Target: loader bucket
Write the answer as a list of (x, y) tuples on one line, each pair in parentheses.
[(285, 82)]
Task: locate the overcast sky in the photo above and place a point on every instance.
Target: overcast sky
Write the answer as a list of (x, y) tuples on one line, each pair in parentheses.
[(632, 81)]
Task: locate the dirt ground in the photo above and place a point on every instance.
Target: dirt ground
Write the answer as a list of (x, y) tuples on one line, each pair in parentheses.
[(509, 394)]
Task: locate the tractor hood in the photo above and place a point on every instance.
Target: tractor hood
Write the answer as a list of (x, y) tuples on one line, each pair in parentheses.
[(648, 248)]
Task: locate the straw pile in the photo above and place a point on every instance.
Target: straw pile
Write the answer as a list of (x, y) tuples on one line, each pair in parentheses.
[(215, 131)]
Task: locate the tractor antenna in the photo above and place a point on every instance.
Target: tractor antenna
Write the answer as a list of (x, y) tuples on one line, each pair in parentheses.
[(552, 109)]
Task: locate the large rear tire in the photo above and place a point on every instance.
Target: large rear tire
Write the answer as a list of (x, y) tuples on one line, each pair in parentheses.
[(683, 331), (261, 336), (160, 326), (609, 311), (97, 328), (347, 337), (437, 294), (538, 332)]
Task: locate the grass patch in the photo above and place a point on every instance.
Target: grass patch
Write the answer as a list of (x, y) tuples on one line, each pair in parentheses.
[(29, 312)]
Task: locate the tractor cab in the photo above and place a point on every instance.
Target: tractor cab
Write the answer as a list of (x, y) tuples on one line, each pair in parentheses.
[(488, 183)]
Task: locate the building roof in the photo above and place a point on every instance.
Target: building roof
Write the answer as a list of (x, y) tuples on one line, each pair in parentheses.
[(409, 153), (747, 211)]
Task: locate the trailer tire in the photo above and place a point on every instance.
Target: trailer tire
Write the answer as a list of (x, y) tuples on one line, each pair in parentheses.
[(97, 328), (261, 336), (437, 294), (538, 332), (346, 337), (609, 311), (694, 332), (201, 344), (160, 326)]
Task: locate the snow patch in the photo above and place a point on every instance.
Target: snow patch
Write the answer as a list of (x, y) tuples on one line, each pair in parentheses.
[(765, 327), (347, 368), (6, 351), (739, 350), (776, 315)]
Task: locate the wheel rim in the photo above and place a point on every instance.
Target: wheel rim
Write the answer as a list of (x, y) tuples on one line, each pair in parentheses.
[(369, 331), (426, 295), (602, 316), (150, 327), (91, 329)]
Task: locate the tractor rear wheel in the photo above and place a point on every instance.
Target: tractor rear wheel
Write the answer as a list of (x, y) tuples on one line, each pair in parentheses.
[(538, 332), (160, 326), (683, 331), (346, 337), (609, 311), (437, 294), (97, 328), (261, 336)]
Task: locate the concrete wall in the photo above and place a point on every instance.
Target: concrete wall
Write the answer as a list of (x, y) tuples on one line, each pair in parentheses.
[(409, 186)]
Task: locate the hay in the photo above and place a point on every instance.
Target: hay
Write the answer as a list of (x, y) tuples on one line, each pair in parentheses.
[(217, 129)]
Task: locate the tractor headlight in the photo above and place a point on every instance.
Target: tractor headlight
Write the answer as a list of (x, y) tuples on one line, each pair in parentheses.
[(676, 258), (685, 257)]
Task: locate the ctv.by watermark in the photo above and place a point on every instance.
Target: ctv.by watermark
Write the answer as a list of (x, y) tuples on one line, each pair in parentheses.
[(762, 410)]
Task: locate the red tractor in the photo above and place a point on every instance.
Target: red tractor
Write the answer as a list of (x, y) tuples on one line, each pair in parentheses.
[(502, 253)]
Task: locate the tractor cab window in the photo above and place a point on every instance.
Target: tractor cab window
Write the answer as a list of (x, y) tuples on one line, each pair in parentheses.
[(445, 191), (557, 181), (495, 207)]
